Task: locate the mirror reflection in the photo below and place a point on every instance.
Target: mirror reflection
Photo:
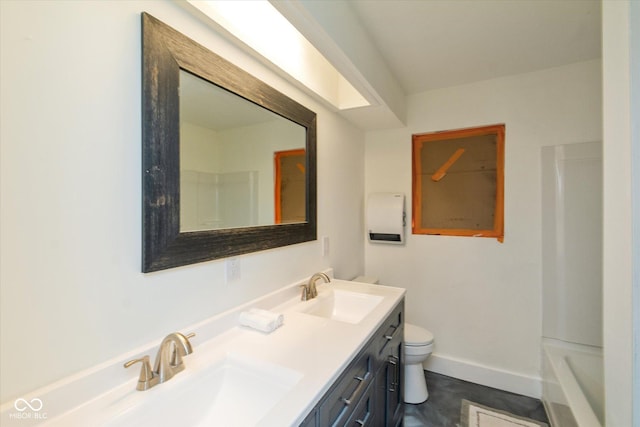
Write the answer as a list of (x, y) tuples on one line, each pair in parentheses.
[(241, 165), (213, 220)]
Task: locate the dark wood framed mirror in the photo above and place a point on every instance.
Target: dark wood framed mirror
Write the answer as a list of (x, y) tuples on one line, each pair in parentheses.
[(166, 55)]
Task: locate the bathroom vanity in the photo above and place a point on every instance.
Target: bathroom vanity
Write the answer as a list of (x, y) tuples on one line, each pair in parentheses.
[(369, 390), (336, 361)]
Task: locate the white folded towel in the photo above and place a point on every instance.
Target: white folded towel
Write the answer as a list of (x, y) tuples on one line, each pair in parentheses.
[(262, 320)]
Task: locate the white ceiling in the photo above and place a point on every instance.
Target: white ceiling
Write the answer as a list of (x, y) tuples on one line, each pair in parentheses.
[(430, 44), (388, 49)]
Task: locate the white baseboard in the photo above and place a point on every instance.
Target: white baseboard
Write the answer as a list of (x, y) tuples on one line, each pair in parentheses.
[(488, 376)]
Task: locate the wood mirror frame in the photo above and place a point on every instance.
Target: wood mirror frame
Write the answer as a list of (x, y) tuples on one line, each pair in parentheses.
[(165, 52)]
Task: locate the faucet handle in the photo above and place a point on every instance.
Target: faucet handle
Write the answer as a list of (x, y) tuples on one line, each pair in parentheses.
[(146, 373)]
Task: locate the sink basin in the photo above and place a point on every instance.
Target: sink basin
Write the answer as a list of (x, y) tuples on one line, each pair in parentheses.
[(237, 391), (341, 305)]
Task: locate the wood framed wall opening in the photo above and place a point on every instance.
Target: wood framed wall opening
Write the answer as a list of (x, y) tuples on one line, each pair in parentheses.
[(290, 184), (458, 182)]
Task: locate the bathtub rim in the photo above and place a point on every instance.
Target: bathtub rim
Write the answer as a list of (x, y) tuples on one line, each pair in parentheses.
[(555, 351)]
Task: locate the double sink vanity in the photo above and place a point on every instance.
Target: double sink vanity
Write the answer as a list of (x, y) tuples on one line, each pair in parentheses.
[(336, 360)]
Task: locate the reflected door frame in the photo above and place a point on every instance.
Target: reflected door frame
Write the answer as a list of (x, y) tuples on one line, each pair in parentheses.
[(280, 175)]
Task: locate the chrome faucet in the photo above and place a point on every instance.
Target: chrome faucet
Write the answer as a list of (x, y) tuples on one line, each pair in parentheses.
[(168, 361), (309, 290)]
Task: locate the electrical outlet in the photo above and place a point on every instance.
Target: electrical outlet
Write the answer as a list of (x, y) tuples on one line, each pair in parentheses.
[(232, 270)]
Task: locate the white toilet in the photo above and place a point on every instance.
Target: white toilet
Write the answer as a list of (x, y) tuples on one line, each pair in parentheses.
[(418, 345)]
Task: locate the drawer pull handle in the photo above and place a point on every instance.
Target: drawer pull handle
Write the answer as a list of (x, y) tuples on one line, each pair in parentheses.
[(389, 337), (356, 392), (363, 421), (393, 361)]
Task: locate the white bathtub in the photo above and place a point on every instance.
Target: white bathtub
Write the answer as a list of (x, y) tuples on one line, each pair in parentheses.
[(573, 384)]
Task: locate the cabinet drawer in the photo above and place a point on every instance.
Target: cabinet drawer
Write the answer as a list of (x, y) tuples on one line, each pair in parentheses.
[(364, 414), (349, 389), (391, 332)]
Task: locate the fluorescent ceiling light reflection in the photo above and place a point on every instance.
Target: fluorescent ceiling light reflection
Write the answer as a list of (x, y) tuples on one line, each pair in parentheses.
[(261, 27)]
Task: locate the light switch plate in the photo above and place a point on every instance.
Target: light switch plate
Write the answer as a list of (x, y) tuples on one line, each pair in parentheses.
[(325, 246)]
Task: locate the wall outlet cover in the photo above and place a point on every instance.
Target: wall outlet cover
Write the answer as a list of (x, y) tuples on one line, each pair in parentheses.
[(232, 270), (325, 246)]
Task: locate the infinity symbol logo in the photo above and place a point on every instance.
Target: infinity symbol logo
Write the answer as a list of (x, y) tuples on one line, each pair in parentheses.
[(22, 405)]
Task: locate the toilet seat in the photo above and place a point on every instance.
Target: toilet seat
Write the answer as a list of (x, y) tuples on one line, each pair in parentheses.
[(415, 336)]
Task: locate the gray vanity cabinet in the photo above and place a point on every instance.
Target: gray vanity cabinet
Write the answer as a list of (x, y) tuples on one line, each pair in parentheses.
[(311, 420), (369, 390), (390, 374)]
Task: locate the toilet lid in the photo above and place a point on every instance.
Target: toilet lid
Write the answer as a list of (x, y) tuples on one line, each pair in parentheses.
[(415, 335)]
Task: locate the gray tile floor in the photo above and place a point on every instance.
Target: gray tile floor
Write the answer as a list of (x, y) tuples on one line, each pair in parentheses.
[(442, 409)]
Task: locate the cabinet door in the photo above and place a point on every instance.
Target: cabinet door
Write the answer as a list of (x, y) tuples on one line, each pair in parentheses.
[(394, 385), (391, 372)]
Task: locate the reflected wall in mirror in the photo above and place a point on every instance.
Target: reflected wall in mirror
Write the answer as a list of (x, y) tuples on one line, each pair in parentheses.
[(227, 145), (212, 137)]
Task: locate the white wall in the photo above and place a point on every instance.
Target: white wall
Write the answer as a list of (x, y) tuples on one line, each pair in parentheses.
[(241, 153), (72, 294), (617, 30), (634, 57), (480, 298)]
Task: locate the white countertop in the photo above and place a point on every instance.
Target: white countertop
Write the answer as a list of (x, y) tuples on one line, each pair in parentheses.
[(313, 349)]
